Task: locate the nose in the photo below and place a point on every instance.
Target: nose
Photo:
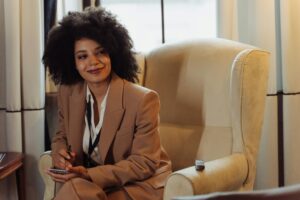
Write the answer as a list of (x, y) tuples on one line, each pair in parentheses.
[(94, 60)]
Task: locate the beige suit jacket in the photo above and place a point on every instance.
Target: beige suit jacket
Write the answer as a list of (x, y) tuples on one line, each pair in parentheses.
[(129, 133)]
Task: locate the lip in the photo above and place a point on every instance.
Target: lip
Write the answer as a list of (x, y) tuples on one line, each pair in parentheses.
[(94, 71)]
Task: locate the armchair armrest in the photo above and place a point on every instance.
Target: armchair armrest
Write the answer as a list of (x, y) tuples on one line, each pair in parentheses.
[(224, 174), (45, 162)]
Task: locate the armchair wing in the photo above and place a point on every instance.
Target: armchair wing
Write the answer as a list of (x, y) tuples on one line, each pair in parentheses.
[(45, 163)]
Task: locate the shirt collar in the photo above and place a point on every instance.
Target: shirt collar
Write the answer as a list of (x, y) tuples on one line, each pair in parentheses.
[(90, 96)]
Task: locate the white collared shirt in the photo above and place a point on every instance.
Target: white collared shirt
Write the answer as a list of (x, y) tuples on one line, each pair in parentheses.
[(95, 129)]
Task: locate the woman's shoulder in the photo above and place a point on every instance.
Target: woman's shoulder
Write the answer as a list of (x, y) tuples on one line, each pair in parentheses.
[(134, 94), (67, 90), (137, 90)]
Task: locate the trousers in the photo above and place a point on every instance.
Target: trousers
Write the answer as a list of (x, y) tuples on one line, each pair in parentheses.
[(81, 189)]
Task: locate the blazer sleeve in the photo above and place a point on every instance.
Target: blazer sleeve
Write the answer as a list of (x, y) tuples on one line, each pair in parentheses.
[(144, 158), (59, 140)]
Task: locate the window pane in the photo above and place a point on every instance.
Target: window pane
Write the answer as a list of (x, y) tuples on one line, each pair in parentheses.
[(186, 19), (142, 18)]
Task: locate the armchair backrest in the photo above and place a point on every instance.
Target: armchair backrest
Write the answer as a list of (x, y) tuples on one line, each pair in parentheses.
[(212, 94)]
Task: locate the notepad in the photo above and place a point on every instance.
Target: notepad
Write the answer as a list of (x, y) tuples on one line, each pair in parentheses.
[(2, 155)]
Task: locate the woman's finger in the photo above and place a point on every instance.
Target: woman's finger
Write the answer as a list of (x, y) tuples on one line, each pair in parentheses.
[(78, 169), (59, 163), (81, 171), (64, 154), (73, 154)]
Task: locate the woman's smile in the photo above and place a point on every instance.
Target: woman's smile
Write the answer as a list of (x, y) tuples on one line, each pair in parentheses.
[(94, 71)]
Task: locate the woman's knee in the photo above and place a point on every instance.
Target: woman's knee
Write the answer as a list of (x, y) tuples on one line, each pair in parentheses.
[(82, 189)]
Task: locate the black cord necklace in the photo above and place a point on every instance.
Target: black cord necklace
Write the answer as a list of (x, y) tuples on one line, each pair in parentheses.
[(92, 145)]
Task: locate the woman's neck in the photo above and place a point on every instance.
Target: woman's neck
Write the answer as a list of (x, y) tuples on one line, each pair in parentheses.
[(98, 90)]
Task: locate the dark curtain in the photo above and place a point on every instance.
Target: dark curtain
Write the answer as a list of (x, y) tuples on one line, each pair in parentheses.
[(87, 3), (49, 21), (49, 15)]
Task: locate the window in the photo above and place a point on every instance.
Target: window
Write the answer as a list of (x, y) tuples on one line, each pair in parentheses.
[(186, 19), (183, 19), (142, 18)]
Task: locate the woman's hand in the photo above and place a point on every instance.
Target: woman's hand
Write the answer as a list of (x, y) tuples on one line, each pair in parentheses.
[(74, 172), (63, 159), (81, 171)]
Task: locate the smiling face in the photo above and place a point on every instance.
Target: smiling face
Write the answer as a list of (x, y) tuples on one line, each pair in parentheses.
[(92, 62)]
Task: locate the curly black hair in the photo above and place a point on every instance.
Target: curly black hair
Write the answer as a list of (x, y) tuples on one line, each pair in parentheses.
[(96, 24)]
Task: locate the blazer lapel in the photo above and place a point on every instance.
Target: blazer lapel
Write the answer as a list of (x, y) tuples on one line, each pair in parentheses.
[(113, 115), (76, 119)]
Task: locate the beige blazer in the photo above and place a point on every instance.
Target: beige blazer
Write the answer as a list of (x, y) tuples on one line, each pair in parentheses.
[(129, 134)]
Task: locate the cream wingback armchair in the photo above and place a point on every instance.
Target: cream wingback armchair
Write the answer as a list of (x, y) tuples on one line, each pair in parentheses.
[(212, 94)]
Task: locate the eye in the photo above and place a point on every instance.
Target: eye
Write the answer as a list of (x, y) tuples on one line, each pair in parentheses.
[(100, 52), (81, 56)]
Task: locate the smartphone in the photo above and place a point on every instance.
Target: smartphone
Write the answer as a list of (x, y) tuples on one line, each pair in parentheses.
[(58, 171)]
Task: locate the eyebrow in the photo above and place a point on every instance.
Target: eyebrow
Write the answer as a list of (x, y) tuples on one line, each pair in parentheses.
[(80, 51), (83, 51)]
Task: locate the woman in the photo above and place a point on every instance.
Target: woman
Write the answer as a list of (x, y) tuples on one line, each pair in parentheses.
[(110, 123)]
